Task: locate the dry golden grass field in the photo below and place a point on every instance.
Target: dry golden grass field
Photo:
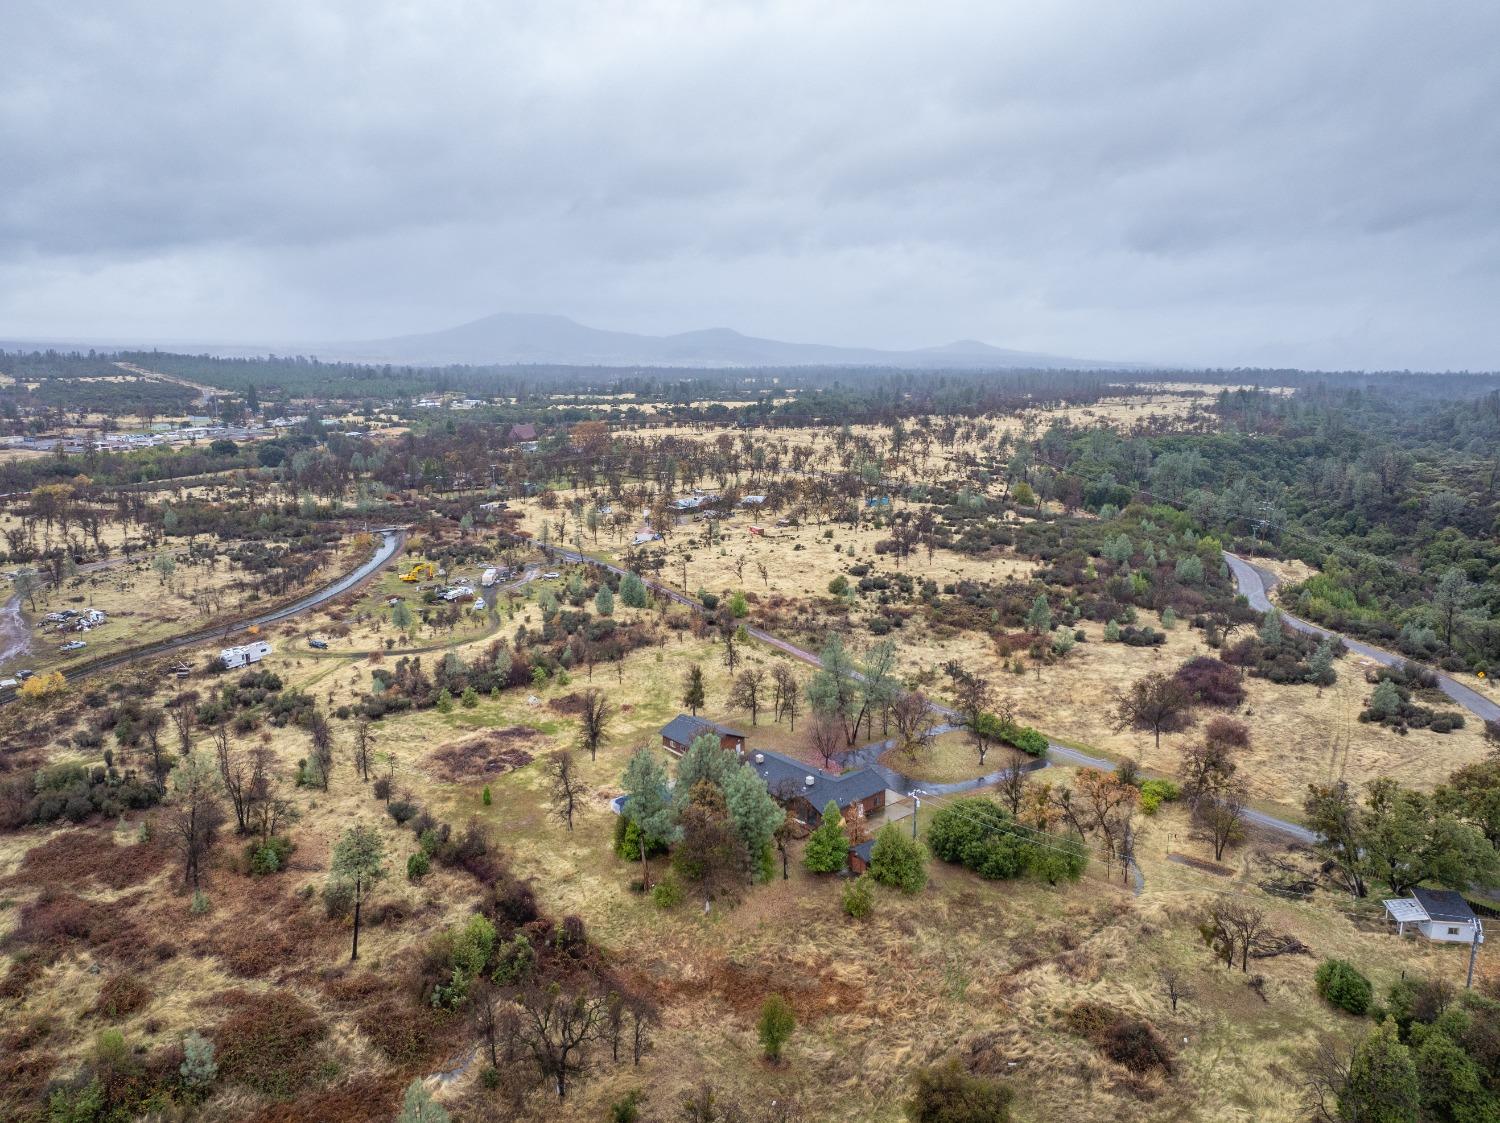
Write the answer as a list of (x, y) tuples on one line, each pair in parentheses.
[(985, 971)]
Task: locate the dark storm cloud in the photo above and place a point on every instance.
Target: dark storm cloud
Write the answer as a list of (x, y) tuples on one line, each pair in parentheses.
[(1218, 183)]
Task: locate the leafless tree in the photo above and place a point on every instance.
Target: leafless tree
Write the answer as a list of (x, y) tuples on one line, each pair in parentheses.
[(1175, 985), (827, 738), (973, 696), (1014, 780), (732, 654), (364, 739), (194, 815), (1221, 810), (568, 788), (183, 710), (557, 1027), (1325, 1076), (236, 774), (593, 721), (152, 722), (788, 694), (1234, 927), (749, 691), (911, 714), (268, 811), (320, 762), (643, 1016), (1156, 704), (1210, 763)]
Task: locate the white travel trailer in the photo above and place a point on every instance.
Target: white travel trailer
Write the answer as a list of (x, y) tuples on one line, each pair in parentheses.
[(490, 576), (245, 654)]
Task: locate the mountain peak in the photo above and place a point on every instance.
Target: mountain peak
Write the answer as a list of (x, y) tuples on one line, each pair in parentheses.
[(507, 338)]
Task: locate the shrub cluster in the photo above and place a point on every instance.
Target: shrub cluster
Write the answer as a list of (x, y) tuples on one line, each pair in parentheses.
[(1342, 985), (979, 834)]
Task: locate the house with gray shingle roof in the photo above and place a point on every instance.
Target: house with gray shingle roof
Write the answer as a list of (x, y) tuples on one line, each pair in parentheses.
[(806, 790), (679, 733)]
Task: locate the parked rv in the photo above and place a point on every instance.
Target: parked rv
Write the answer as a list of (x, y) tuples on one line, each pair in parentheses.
[(244, 655)]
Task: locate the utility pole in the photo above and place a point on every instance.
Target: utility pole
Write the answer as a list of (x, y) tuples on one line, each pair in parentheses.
[(916, 806), (1474, 952)]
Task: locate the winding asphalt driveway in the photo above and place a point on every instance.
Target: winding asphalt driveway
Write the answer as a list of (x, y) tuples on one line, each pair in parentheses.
[(1256, 585)]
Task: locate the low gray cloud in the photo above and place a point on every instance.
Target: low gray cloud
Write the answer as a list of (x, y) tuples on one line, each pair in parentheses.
[(1226, 183)]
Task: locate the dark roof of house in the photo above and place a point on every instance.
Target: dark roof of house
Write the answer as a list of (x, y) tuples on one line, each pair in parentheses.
[(523, 431), (1444, 904), (684, 727), (864, 850), (783, 774)]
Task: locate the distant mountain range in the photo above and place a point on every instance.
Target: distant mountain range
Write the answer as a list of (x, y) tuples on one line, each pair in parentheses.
[(522, 338), (508, 338)]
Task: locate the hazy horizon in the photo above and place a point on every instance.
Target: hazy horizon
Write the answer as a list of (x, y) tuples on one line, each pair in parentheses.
[(1164, 183)]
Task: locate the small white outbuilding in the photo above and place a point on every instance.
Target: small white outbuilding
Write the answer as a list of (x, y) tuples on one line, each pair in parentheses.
[(1439, 914)]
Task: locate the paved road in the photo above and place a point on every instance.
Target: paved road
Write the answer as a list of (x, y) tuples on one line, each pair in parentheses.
[(391, 543), (1256, 585)]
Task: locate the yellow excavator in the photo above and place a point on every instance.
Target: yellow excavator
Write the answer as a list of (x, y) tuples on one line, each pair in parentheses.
[(420, 571)]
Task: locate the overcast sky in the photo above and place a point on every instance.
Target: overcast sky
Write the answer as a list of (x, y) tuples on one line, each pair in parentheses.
[(1312, 184)]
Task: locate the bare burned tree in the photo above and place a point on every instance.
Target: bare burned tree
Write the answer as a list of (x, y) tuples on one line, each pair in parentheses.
[(911, 715), (236, 774), (269, 812), (593, 722), (749, 691), (194, 815), (1155, 704), (1325, 1076), (557, 1027), (1175, 985), (183, 710), (1014, 781), (320, 763), (827, 738), (152, 722), (364, 740), (1221, 811), (568, 788), (1209, 764)]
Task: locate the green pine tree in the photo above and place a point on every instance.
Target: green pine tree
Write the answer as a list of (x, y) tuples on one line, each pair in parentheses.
[(827, 848), (898, 860), (1382, 1085)]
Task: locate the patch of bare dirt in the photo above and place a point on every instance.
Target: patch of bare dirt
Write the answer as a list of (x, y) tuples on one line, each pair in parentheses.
[(491, 753)]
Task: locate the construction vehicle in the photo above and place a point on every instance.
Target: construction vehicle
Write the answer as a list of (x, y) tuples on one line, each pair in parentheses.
[(420, 571)]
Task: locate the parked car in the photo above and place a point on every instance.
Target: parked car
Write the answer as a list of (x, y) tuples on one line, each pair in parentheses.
[(319, 644), (551, 575), (73, 645)]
